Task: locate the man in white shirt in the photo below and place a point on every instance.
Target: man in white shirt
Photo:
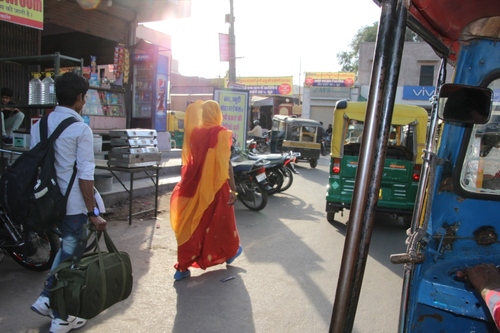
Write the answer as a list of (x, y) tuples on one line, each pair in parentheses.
[(73, 145), (256, 131)]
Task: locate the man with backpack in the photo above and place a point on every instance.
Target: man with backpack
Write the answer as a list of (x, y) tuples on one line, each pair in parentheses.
[(74, 144)]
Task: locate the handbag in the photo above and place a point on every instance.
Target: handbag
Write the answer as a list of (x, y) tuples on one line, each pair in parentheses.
[(86, 288)]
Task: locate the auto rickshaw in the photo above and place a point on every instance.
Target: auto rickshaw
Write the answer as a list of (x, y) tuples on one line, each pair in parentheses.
[(403, 159), (175, 123), (300, 135)]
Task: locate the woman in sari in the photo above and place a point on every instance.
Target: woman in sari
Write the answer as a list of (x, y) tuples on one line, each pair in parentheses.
[(201, 205)]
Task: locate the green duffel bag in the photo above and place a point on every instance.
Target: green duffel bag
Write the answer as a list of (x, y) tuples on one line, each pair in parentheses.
[(99, 280)]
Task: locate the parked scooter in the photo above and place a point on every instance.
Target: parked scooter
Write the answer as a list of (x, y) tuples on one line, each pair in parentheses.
[(31, 249)]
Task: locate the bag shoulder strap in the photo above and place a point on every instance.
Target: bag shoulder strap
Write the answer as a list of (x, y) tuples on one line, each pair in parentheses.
[(44, 129), (59, 129)]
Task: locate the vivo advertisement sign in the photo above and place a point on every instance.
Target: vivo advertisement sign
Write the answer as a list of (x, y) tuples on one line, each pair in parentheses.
[(422, 93)]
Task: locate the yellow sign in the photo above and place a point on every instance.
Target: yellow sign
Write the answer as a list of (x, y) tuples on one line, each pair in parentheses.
[(330, 79), (280, 85), (23, 12)]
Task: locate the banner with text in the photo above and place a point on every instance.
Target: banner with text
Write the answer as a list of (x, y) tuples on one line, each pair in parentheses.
[(27, 13), (330, 79), (234, 106), (224, 47), (268, 85)]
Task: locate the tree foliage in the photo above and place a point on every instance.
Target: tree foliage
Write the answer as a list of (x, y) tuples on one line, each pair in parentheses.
[(349, 59)]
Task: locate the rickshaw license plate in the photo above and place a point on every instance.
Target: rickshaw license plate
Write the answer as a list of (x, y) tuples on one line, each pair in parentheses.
[(260, 177)]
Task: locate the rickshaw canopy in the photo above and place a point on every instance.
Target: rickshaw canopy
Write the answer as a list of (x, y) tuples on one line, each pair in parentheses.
[(403, 115)]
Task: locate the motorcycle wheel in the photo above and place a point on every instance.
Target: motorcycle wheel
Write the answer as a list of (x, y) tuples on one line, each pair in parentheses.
[(38, 252), (275, 179), (262, 148), (287, 178), (252, 195)]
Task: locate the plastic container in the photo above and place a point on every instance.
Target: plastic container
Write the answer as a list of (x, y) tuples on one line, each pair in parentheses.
[(48, 90), (35, 90)]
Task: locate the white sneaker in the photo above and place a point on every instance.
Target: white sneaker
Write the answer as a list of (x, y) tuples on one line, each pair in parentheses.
[(62, 326), (42, 307)]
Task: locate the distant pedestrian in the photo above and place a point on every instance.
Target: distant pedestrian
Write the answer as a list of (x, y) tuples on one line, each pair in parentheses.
[(319, 138)]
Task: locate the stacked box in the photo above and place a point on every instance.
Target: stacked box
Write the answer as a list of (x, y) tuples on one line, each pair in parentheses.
[(132, 148), (21, 140)]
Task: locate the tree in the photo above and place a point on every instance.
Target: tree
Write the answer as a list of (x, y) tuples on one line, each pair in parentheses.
[(349, 59)]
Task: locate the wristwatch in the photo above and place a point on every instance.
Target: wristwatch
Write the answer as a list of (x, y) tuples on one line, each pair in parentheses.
[(94, 212)]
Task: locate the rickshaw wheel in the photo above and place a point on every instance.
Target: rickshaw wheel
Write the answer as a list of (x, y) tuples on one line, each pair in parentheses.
[(330, 216), (313, 162)]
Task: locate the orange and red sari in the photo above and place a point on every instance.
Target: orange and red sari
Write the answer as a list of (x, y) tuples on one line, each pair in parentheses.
[(203, 222)]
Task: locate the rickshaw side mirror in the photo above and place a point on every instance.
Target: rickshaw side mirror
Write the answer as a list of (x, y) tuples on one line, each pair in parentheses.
[(341, 104), (465, 104)]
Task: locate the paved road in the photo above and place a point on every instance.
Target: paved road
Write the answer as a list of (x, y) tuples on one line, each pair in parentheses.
[(285, 279)]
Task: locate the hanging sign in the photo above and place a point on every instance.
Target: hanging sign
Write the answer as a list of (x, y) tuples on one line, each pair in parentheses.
[(224, 47), (28, 12)]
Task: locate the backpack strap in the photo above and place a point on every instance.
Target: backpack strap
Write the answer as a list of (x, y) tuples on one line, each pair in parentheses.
[(44, 129)]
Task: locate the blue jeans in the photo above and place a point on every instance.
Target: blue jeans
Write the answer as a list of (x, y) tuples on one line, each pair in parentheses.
[(72, 229)]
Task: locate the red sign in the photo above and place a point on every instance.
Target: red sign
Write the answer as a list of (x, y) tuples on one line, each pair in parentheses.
[(285, 89), (224, 47)]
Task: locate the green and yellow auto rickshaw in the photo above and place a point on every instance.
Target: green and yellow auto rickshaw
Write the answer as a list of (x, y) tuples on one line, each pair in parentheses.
[(175, 123), (403, 159), (298, 135)]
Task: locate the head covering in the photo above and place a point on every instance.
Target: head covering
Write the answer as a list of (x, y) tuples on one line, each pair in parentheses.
[(192, 119)]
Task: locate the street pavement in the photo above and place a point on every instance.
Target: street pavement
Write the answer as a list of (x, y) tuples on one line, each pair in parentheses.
[(284, 281)]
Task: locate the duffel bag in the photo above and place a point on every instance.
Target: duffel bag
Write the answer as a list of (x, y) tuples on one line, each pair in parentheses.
[(88, 287)]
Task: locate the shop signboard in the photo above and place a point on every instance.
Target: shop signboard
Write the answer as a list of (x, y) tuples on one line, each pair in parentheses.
[(330, 79), (281, 85), (27, 13), (420, 93), (234, 104)]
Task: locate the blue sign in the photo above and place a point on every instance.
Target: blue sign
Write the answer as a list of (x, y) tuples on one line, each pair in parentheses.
[(422, 93), (143, 57), (496, 95)]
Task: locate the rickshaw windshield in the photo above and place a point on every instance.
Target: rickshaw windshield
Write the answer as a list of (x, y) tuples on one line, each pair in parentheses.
[(481, 168)]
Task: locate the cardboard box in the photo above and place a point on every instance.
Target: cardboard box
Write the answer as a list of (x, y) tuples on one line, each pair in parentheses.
[(21, 140)]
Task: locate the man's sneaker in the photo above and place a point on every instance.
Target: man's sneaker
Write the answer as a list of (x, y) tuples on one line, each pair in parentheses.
[(42, 306), (7, 140), (62, 326)]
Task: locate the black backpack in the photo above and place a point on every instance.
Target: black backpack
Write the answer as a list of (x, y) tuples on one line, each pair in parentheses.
[(29, 191)]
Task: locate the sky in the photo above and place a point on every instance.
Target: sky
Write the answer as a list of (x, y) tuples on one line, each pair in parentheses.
[(273, 37)]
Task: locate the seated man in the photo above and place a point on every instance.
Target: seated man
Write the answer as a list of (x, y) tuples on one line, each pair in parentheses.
[(256, 132), (11, 118)]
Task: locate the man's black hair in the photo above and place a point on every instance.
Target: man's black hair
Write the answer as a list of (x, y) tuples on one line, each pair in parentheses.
[(6, 92), (69, 86)]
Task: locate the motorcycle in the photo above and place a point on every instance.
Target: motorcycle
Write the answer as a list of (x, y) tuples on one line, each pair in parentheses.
[(259, 145), (251, 183), (31, 249), (279, 171)]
